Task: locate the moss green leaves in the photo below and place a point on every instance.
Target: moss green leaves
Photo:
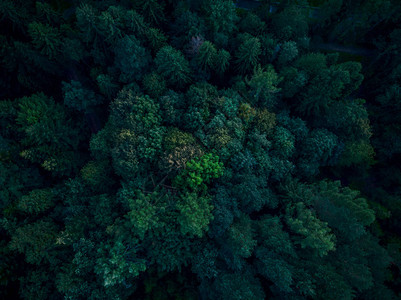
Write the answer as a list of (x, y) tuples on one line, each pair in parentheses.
[(199, 172)]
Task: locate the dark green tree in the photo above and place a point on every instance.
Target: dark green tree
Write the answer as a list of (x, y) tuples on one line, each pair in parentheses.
[(173, 66)]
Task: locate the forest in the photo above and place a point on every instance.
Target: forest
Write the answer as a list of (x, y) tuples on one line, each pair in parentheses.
[(200, 149)]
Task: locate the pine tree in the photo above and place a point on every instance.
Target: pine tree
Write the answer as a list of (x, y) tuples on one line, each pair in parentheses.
[(247, 55), (172, 65)]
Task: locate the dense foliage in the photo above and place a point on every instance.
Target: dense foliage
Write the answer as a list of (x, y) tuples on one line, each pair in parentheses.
[(200, 149)]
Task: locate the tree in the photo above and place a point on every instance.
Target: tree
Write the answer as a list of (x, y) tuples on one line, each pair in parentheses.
[(86, 21), (235, 286), (36, 201), (131, 59), (321, 148), (312, 233), (288, 52), (117, 263), (206, 57), (180, 148), (196, 214), (171, 250), (143, 210), (293, 81), (172, 65), (252, 24), (35, 241), (290, 23), (239, 241), (78, 97), (154, 85), (199, 172), (140, 133), (263, 86), (354, 209), (46, 38), (152, 10), (48, 132), (220, 16), (157, 39), (247, 55), (284, 142), (322, 90), (222, 61)]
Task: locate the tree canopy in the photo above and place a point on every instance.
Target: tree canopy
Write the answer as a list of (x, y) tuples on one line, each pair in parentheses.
[(202, 149)]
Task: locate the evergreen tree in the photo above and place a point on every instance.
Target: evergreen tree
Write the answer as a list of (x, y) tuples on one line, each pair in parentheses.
[(172, 65)]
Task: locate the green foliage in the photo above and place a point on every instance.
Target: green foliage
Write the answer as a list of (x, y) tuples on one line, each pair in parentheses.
[(97, 174), (35, 241), (86, 21), (263, 86), (349, 199), (313, 233), (140, 138), (290, 23), (78, 97), (288, 52), (196, 214), (252, 194), (143, 211), (157, 39), (360, 152), (237, 286), (265, 121), (181, 147), (173, 66), (36, 201), (100, 143), (293, 81), (36, 285), (275, 269), (252, 24), (125, 154), (354, 70), (130, 59), (49, 137), (220, 15), (187, 149), (206, 57), (117, 263), (154, 85), (46, 39), (241, 237), (204, 262), (246, 112), (322, 90), (342, 208), (106, 85), (247, 55), (320, 148), (284, 142), (199, 172), (171, 250), (312, 63), (222, 61), (152, 10)]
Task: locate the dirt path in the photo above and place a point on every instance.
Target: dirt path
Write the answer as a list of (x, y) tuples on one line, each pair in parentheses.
[(345, 49)]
